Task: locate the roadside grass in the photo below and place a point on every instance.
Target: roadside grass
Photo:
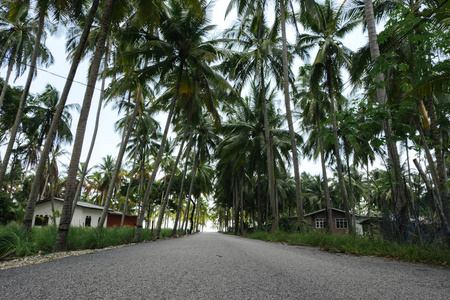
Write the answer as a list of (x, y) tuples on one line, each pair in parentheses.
[(436, 254), (16, 243)]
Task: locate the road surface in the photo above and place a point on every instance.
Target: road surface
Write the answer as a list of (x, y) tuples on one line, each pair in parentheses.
[(218, 266)]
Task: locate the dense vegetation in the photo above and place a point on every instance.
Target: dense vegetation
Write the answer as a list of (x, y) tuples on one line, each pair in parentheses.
[(233, 145)]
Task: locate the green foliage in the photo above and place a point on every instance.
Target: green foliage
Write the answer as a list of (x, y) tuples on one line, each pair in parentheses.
[(436, 254), (7, 209)]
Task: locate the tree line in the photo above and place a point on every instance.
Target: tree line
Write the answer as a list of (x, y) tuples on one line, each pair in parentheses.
[(235, 144)]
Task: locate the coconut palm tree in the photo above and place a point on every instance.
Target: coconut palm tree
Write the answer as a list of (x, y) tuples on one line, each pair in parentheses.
[(27, 221), (261, 56), (66, 216), (313, 106), (178, 48), (17, 40), (33, 61), (327, 24)]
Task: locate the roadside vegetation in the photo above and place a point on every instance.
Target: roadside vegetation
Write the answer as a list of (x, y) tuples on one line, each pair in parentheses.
[(244, 107), (435, 254), (15, 242)]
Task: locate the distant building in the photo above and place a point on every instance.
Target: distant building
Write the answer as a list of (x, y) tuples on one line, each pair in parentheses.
[(317, 220), (85, 215)]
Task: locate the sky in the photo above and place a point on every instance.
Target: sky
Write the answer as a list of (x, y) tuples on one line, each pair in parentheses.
[(107, 139)]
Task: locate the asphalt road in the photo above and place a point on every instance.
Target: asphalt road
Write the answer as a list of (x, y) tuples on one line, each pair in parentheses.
[(217, 266)]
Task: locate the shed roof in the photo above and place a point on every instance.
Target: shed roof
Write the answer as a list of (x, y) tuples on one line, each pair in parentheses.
[(79, 203)]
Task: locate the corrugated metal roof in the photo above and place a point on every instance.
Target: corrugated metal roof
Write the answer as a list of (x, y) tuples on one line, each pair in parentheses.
[(82, 204)]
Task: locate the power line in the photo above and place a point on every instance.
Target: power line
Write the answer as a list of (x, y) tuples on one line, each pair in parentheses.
[(60, 76)]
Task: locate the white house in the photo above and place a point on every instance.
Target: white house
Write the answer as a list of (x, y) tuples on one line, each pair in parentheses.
[(86, 214)]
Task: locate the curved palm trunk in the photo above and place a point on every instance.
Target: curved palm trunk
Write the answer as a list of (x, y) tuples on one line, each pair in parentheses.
[(23, 99), (336, 148), (241, 200), (440, 161), (399, 186), (435, 179), (180, 195), (192, 216), (61, 239), (169, 186), (125, 205), (28, 218), (350, 188), (123, 146), (191, 187), (325, 181), (287, 102), (94, 135), (437, 203), (137, 237), (8, 74)]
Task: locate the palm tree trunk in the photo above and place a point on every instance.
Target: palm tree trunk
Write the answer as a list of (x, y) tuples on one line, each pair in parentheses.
[(352, 196), (169, 185), (192, 217), (125, 205), (61, 240), (287, 101), (440, 161), (19, 113), (259, 196), (191, 188), (236, 206), (399, 186), (180, 195), (52, 200), (8, 74), (445, 225), (94, 135), (28, 218), (241, 200), (123, 146), (434, 176), (336, 148), (325, 181), (137, 237)]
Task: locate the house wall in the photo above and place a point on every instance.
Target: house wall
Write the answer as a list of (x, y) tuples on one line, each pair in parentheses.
[(115, 220), (79, 216), (335, 215)]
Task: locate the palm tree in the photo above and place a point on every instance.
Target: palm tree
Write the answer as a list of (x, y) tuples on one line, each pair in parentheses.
[(37, 46), (106, 168), (27, 221), (43, 114), (399, 183), (328, 24), (260, 54), (17, 40), (66, 216), (287, 103), (314, 105), (179, 48)]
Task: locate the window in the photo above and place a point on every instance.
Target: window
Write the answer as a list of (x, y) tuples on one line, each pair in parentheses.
[(321, 222), (45, 221), (38, 220), (341, 223), (87, 223)]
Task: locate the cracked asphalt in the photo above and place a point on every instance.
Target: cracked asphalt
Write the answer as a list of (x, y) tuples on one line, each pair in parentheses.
[(218, 266)]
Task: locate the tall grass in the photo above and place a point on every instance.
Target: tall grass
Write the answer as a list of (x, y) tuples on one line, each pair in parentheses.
[(436, 254), (16, 243)]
